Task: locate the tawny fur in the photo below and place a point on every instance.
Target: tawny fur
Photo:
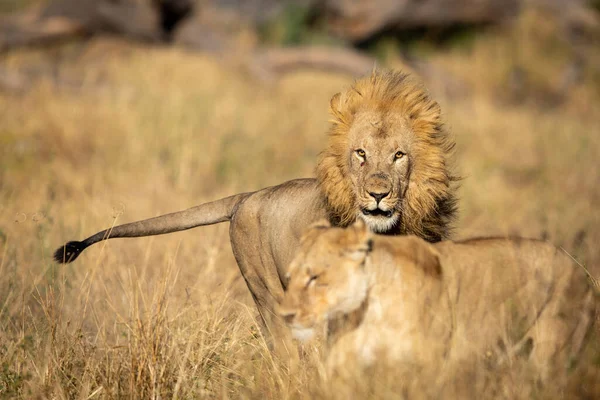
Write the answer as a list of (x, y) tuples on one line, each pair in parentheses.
[(266, 225), (431, 305)]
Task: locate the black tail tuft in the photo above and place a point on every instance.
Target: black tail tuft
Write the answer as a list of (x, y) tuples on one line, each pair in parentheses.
[(69, 252)]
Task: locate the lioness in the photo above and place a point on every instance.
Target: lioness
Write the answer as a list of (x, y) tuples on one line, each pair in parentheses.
[(411, 301), (386, 162)]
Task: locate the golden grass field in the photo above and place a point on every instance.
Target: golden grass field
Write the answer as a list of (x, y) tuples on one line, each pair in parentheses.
[(117, 132)]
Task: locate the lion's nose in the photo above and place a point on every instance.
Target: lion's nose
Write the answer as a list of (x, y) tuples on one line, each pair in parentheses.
[(378, 196)]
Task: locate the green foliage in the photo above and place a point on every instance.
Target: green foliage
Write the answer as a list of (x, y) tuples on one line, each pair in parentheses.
[(295, 26), (9, 6), (386, 48), (288, 28), (12, 380), (421, 42)]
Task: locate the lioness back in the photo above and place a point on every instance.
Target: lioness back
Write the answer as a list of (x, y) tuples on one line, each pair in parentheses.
[(526, 294), (490, 299)]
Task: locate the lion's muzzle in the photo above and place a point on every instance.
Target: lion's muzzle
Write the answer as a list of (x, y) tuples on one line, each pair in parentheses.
[(378, 186), (378, 189)]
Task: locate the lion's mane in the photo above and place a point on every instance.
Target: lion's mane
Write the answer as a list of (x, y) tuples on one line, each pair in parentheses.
[(429, 205)]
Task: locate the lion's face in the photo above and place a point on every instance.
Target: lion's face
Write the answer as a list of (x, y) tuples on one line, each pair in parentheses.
[(326, 278), (386, 161), (379, 163)]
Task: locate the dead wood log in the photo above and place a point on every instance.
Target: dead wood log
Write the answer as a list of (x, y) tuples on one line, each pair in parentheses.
[(359, 19), (269, 63), (29, 29), (66, 19)]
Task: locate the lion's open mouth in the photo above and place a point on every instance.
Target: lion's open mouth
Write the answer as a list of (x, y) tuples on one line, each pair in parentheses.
[(378, 212)]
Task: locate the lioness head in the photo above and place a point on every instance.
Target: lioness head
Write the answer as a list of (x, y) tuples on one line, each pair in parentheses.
[(326, 277), (331, 274), (387, 159)]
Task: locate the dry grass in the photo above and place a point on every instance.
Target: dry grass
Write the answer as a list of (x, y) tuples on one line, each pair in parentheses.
[(120, 132)]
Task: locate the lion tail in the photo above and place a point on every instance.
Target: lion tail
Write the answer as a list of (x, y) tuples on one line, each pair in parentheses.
[(205, 214)]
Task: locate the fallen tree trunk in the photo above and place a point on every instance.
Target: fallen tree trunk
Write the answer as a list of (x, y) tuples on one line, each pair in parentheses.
[(28, 29), (359, 19), (269, 63), (66, 19)]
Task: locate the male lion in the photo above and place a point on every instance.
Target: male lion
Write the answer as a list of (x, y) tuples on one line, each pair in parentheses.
[(407, 301), (386, 161)]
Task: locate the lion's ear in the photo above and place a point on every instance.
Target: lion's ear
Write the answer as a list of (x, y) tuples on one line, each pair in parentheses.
[(335, 105), (426, 256)]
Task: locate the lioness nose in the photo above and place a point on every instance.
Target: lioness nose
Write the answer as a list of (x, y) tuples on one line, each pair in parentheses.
[(378, 196), (288, 316)]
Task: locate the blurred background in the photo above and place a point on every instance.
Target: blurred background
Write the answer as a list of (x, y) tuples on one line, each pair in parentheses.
[(117, 110)]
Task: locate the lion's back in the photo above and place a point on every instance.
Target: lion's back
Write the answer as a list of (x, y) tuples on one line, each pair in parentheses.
[(277, 214)]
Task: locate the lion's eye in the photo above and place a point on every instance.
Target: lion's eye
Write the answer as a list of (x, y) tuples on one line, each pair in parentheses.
[(399, 155), (360, 153)]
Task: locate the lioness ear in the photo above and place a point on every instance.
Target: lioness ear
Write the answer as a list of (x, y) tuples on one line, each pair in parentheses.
[(360, 242), (320, 224), (359, 224), (426, 256), (361, 230)]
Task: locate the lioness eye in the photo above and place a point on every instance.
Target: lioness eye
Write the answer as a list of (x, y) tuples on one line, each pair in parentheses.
[(311, 279), (398, 155), (360, 153)]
